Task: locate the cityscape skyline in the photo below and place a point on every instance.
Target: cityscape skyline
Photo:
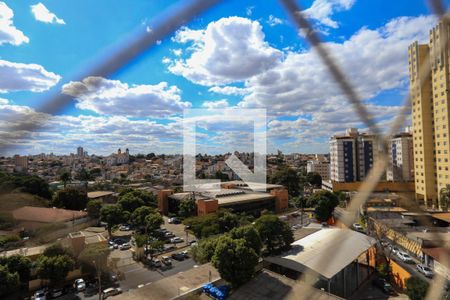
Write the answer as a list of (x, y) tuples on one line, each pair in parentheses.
[(142, 107)]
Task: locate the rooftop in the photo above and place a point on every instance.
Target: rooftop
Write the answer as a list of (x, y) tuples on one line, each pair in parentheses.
[(307, 254), (47, 215), (98, 194), (271, 286)]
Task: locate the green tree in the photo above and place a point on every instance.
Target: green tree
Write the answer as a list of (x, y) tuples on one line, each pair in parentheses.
[(227, 220), (55, 250), (9, 281), (153, 221), (20, 264), (314, 179), (204, 250), (94, 259), (445, 197), (416, 288), (138, 216), (93, 208), (70, 198), (289, 178), (187, 208), (250, 235), (275, 234), (65, 178), (54, 268), (113, 215), (326, 203), (130, 203), (234, 260)]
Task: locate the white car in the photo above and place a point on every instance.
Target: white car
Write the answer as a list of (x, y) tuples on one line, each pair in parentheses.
[(357, 227), (405, 257), (425, 270), (125, 228), (40, 295), (125, 246), (80, 285), (176, 240)]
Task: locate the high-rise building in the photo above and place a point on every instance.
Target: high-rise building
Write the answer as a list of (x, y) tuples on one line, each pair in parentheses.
[(430, 114), (80, 151), (351, 156), (401, 165)]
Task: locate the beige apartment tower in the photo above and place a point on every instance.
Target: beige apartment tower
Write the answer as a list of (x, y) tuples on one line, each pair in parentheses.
[(430, 115)]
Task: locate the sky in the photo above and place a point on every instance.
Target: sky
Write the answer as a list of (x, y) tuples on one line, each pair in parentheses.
[(239, 55)]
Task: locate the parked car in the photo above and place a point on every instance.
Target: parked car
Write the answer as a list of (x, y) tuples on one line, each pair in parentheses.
[(178, 256), (176, 240), (40, 295), (169, 234), (166, 260), (174, 221), (125, 246), (383, 285), (357, 227), (394, 250), (156, 263), (56, 292), (384, 243), (425, 270), (125, 228), (405, 257), (80, 285), (185, 253), (111, 292), (193, 242)]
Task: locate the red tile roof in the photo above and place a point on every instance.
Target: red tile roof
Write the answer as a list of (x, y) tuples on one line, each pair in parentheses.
[(47, 215)]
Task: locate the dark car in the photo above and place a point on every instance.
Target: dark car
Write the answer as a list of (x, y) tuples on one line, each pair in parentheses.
[(178, 256), (56, 292), (383, 285)]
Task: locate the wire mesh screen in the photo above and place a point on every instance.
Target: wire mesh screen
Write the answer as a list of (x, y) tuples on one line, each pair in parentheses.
[(168, 22)]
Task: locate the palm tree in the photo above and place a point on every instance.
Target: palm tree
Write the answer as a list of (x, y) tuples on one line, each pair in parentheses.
[(445, 197), (65, 178)]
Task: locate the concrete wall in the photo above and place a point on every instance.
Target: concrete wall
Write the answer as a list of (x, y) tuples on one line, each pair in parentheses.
[(205, 207), (163, 201)]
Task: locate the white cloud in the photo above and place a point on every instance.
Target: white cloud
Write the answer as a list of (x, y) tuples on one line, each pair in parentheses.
[(229, 90), (42, 14), (215, 104), (322, 10), (113, 97), (25, 77), (373, 60), (274, 21), (23, 130), (8, 32), (228, 50)]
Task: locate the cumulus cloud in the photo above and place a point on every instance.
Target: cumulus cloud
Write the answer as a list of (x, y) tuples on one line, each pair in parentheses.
[(374, 60), (228, 50), (9, 34), (25, 77), (215, 104), (274, 21), (113, 97), (42, 14), (322, 11), (229, 90), (24, 130)]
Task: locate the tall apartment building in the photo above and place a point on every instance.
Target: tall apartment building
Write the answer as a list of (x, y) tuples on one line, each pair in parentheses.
[(80, 152), (430, 115), (351, 156), (401, 165)]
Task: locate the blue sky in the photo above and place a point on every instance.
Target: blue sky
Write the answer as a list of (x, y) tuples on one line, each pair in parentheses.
[(240, 55)]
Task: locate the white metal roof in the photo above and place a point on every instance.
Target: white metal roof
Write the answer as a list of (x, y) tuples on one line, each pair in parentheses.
[(325, 252)]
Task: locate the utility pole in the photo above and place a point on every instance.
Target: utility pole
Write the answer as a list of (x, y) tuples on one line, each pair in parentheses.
[(99, 276)]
